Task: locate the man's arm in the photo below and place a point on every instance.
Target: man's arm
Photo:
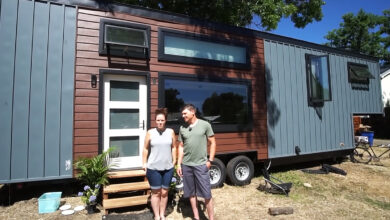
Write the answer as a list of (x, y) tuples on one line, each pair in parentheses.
[(180, 158), (213, 146)]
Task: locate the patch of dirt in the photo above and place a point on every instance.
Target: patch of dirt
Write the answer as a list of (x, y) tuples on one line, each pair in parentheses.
[(362, 194)]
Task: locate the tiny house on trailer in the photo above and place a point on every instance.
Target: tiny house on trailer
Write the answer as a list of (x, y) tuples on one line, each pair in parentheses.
[(79, 76)]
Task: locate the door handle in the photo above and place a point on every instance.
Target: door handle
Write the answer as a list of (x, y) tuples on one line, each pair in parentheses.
[(143, 125)]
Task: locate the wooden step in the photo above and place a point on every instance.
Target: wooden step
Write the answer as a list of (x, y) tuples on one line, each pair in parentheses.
[(125, 202), (126, 173), (125, 187)]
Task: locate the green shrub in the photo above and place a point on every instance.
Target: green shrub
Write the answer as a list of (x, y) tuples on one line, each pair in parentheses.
[(93, 171)]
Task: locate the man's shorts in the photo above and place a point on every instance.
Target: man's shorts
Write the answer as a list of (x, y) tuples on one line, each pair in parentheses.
[(159, 178), (196, 180)]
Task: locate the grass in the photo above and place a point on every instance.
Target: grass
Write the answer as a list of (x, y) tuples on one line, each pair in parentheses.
[(380, 204)]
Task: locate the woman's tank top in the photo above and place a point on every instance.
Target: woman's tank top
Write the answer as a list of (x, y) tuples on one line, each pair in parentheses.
[(160, 157)]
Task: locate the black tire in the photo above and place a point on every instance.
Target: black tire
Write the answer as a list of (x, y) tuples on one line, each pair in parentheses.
[(240, 170), (217, 173), (361, 155)]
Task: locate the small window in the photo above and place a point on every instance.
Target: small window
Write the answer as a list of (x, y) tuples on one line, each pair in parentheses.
[(318, 78), (224, 103), (359, 73), (124, 39), (200, 49)]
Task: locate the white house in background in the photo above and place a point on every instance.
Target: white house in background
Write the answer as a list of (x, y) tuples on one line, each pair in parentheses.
[(385, 83)]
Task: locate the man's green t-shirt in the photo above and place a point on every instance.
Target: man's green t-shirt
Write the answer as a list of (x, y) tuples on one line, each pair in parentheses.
[(195, 142)]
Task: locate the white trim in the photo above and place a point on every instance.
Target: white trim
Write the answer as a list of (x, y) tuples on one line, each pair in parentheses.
[(140, 132), (385, 73)]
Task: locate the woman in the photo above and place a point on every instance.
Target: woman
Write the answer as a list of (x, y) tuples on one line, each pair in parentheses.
[(159, 165)]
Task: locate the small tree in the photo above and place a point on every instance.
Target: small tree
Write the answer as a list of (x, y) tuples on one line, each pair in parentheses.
[(93, 171)]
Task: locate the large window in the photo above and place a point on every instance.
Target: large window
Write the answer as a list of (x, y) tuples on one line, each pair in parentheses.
[(318, 79), (226, 104), (200, 49), (124, 39)]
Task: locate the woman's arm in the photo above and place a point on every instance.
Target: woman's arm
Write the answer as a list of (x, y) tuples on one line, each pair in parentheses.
[(174, 148), (145, 151)]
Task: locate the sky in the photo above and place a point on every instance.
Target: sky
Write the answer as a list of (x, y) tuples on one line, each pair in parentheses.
[(333, 11)]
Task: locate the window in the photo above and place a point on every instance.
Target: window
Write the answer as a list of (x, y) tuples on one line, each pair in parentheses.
[(199, 49), (225, 103), (124, 39), (359, 73), (318, 79)]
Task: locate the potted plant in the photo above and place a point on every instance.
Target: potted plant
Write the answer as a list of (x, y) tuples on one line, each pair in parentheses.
[(93, 173), (89, 196)]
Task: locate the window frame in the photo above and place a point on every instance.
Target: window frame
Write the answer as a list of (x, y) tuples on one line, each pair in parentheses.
[(123, 24), (313, 101), (217, 128), (362, 81), (162, 32)]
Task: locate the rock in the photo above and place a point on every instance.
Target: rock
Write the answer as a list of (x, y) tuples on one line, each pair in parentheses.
[(281, 211)]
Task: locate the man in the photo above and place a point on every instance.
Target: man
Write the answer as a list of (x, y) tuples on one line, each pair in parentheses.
[(193, 164)]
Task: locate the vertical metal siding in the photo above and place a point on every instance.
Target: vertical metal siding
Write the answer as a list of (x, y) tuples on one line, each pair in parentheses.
[(294, 98), (21, 100), (53, 90), (7, 65), (69, 53), (38, 92), (288, 84), (296, 123), (37, 46)]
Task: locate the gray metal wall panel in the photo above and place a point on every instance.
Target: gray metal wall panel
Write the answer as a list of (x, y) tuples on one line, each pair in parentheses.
[(301, 91), (53, 91), (37, 60), (313, 130), (38, 92), (21, 102), (336, 100), (67, 92), (279, 98), (294, 99), (288, 98), (7, 46)]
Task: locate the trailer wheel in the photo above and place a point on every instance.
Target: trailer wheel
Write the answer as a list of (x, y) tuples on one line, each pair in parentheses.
[(240, 170), (217, 173)]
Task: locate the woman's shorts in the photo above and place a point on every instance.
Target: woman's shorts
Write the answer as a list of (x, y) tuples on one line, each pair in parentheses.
[(159, 178)]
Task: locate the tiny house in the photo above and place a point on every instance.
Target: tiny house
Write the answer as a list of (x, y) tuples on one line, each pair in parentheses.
[(78, 76)]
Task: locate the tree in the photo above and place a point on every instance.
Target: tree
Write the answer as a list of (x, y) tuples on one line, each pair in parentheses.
[(172, 102), (385, 32), (241, 12), (364, 33), (229, 106)]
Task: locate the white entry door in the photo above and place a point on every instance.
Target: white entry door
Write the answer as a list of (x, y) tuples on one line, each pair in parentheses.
[(125, 119)]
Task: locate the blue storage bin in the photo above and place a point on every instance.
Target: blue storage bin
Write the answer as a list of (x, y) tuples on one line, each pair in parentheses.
[(49, 202), (369, 135)]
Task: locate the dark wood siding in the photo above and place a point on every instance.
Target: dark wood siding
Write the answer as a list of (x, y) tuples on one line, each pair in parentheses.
[(89, 62)]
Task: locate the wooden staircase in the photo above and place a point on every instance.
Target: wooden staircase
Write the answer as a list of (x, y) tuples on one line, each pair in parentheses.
[(127, 188)]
